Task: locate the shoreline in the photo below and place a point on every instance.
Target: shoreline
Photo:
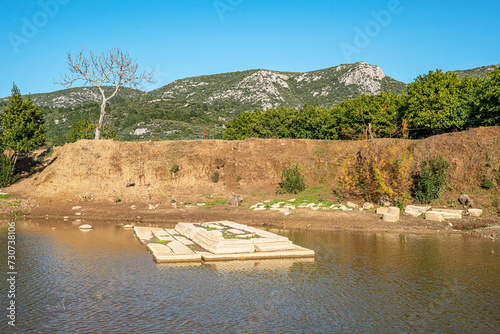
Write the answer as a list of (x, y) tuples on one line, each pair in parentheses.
[(300, 220)]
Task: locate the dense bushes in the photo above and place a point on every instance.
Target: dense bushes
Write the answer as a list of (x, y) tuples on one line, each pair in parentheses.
[(431, 180), (434, 103), (378, 171), (292, 180), (6, 171)]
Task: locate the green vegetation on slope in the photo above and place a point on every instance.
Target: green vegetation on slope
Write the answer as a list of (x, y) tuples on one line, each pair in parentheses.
[(434, 103)]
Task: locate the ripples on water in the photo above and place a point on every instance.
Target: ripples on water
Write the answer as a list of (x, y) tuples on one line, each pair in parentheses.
[(104, 281)]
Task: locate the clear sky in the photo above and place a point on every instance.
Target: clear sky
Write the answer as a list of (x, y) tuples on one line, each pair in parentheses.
[(183, 38)]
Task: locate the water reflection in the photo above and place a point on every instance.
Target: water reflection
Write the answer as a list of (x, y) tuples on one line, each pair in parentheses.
[(105, 281)]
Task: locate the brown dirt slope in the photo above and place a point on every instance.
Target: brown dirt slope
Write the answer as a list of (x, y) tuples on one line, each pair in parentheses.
[(105, 170)]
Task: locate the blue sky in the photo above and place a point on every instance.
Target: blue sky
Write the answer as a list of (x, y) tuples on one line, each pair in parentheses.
[(183, 38)]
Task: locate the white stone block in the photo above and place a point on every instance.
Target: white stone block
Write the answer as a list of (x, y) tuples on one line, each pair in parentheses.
[(390, 217), (412, 213), (434, 216), (352, 205), (85, 227), (416, 208), (382, 210), (475, 212), (393, 210)]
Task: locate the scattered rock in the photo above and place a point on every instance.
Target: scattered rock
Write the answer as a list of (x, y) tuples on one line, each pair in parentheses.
[(343, 207), (368, 206), (384, 201), (235, 200), (287, 213), (128, 226), (130, 184), (466, 200), (76, 208), (78, 213), (174, 205), (133, 207), (85, 227), (352, 205)]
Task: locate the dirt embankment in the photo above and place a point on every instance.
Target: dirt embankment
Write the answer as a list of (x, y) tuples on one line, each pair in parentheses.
[(110, 176)]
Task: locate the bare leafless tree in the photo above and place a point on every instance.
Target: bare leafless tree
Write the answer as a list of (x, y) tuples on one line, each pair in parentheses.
[(112, 68)]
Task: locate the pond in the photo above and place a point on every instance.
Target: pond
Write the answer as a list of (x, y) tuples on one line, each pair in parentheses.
[(105, 281)]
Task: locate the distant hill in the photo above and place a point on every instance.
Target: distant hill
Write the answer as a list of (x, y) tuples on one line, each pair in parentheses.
[(478, 72), (240, 91), (73, 97), (182, 107)]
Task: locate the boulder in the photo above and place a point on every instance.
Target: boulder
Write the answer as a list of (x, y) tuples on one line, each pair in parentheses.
[(235, 200), (466, 200), (352, 205)]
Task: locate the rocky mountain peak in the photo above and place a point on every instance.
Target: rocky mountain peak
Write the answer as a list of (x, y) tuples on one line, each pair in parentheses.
[(367, 77)]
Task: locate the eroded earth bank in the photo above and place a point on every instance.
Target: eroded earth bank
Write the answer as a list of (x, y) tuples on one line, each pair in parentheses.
[(175, 181)]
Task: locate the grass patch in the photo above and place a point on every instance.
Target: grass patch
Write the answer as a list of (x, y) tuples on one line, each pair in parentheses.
[(4, 196)]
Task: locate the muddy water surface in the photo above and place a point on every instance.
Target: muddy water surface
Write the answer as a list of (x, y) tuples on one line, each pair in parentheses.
[(105, 281)]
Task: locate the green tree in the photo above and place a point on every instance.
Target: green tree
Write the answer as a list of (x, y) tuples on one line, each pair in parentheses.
[(84, 130), (369, 116), (487, 111), (439, 101), (22, 125)]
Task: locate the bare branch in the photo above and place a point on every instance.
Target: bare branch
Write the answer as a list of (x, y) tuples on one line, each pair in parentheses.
[(114, 68)]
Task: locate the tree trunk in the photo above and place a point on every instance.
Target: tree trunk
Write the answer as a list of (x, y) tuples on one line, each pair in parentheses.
[(370, 131), (14, 160), (101, 121)]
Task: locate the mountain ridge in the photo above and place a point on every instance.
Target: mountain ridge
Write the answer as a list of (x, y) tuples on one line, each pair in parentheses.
[(182, 106)]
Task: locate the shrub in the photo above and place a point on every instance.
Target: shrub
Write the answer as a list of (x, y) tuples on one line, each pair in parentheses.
[(215, 177), (291, 180), (220, 162), (175, 168), (431, 180), (238, 178), (6, 171), (379, 170), (487, 183)]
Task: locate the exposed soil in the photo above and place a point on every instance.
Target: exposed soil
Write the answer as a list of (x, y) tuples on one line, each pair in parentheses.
[(106, 178)]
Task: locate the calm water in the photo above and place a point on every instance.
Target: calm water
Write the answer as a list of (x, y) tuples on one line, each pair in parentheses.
[(104, 281)]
